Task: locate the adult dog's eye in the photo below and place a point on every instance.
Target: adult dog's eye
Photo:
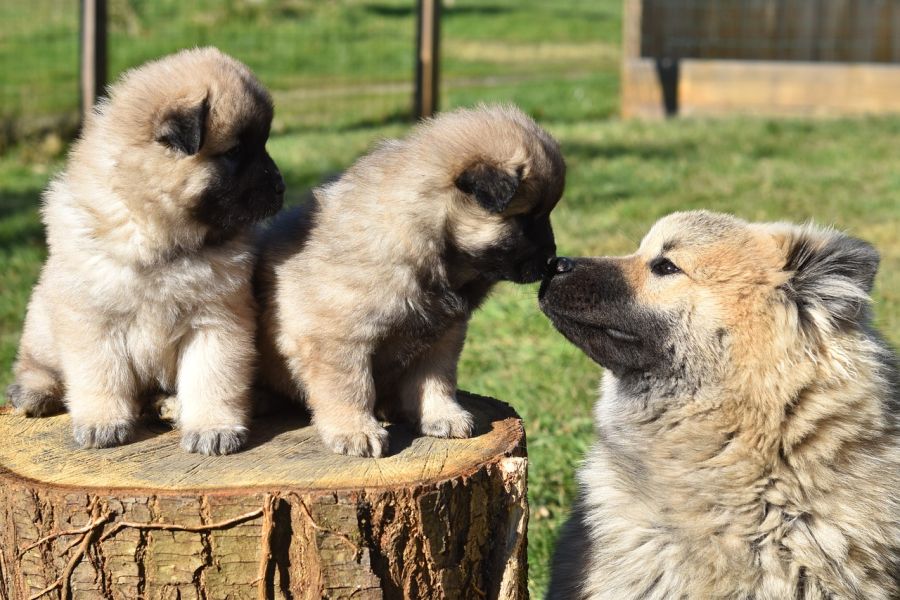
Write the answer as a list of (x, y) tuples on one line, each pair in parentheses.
[(663, 266)]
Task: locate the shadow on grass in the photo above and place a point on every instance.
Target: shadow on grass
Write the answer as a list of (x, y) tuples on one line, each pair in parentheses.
[(30, 235), (18, 228), (645, 151), (386, 10), (12, 203), (398, 117)]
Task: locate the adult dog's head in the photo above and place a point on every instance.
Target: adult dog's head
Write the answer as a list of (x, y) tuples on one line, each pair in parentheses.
[(504, 175), (708, 296), (187, 135)]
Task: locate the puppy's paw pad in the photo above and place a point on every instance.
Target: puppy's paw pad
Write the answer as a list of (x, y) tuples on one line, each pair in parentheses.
[(32, 404), (106, 435), (214, 442), (370, 442), (459, 425)]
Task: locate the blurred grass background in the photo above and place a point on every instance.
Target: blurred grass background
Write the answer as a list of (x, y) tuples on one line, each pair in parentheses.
[(341, 73)]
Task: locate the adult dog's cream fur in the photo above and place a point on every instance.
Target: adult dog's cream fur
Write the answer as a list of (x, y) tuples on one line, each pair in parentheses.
[(747, 432)]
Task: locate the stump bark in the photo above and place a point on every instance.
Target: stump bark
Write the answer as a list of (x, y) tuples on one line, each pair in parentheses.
[(283, 519)]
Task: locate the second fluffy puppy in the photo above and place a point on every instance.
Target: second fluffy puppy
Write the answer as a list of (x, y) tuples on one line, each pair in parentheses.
[(367, 291)]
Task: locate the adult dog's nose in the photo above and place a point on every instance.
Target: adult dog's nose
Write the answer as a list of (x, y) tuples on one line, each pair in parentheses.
[(559, 264)]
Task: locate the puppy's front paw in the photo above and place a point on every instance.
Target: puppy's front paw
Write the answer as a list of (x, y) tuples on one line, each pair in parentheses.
[(224, 440), (32, 404), (164, 407), (454, 422), (105, 435), (370, 439)]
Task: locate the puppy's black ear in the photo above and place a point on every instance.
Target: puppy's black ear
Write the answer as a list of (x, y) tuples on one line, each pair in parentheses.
[(184, 128), (493, 188), (832, 276)]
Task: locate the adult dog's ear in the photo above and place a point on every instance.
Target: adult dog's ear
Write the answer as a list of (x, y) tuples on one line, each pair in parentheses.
[(831, 277), (492, 187), (184, 128)]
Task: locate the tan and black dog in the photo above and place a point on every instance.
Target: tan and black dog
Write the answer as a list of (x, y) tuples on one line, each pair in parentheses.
[(748, 442), (367, 291), (147, 288)]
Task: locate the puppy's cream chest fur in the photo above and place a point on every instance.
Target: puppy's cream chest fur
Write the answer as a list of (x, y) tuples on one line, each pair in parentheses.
[(180, 286), (150, 311)]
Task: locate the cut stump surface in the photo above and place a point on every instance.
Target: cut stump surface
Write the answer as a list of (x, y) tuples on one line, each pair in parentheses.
[(285, 518)]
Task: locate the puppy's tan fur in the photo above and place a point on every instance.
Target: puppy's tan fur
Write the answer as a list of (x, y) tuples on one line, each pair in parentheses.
[(759, 455), (367, 292), (139, 294)]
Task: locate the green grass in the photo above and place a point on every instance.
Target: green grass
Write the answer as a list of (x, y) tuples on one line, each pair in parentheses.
[(558, 60)]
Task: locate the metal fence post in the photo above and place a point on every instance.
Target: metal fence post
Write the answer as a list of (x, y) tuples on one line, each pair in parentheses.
[(428, 29), (93, 52)]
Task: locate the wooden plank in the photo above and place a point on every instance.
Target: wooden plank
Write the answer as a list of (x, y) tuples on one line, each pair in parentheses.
[(642, 96), (818, 30), (808, 30), (723, 87), (895, 32), (788, 88), (631, 29), (882, 35), (641, 14), (804, 16)]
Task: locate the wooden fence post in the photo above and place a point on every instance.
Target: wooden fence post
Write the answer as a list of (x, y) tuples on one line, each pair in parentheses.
[(93, 52), (428, 29)]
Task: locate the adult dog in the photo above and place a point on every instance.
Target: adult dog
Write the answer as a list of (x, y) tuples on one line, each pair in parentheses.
[(748, 441)]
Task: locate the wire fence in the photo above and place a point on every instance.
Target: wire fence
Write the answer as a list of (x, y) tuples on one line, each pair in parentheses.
[(326, 62), (39, 67), (330, 64)]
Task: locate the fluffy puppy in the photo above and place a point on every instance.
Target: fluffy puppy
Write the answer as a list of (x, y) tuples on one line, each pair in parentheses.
[(366, 292), (748, 442), (147, 286)]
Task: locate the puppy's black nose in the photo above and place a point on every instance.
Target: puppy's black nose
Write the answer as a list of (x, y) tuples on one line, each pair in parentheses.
[(559, 264)]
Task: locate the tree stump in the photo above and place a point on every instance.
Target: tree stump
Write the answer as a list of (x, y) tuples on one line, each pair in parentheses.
[(285, 518)]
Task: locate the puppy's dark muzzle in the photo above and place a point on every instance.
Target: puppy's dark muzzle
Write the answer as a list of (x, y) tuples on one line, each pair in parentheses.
[(278, 183), (276, 189), (531, 269), (274, 175)]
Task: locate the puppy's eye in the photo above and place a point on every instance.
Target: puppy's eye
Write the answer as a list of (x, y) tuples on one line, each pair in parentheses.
[(663, 266), (233, 153)]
